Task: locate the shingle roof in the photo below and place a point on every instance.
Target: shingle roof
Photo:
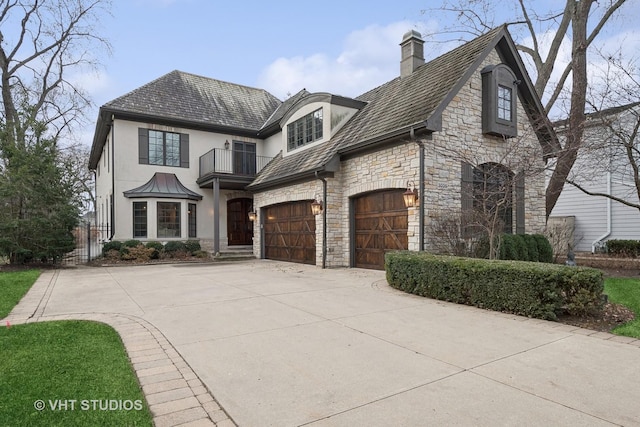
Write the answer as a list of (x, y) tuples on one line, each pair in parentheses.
[(284, 107), (187, 97), (395, 105), (165, 185)]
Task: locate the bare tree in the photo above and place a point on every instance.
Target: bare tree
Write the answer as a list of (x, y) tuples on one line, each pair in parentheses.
[(492, 187), (578, 21), (611, 142), (41, 44)]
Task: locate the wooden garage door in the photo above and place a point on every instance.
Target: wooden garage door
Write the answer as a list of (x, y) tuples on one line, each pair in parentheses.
[(381, 224), (290, 232)]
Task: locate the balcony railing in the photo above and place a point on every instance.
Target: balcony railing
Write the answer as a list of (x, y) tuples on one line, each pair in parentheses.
[(232, 162)]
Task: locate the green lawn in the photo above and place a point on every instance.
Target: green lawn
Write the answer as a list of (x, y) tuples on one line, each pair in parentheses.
[(77, 371), (13, 286), (625, 291), (66, 373)]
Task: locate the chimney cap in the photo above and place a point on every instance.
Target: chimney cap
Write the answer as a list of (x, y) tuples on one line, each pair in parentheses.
[(412, 34)]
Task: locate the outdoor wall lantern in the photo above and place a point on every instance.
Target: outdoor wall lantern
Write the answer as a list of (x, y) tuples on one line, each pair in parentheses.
[(316, 207), (226, 144), (410, 196), (252, 216)]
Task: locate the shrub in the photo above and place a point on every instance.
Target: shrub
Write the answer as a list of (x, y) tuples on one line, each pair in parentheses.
[(625, 248), (112, 255), (114, 245), (532, 247), (139, 253), (157, 249), (174, 246), (133, 243), (508, 249), (521, 247), (481, 248), (192, 246), (201, 254), (545, 250), (524, 288)]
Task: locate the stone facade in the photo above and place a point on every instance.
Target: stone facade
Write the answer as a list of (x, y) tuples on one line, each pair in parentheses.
[(461, 139)]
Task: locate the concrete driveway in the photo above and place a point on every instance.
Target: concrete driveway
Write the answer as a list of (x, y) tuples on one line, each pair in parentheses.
[(282, 344)]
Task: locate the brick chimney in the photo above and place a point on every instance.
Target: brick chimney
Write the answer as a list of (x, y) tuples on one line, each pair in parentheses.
[(412, 48)]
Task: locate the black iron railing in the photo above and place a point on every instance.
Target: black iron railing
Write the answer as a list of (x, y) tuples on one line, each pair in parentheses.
[(231, 162)]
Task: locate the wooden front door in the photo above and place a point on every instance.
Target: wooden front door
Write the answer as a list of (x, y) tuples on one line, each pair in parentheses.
[(239, 228), (290, 232), (381, 223)]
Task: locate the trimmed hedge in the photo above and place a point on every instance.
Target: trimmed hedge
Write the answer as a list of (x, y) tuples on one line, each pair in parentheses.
[(626, 248), (545, 250), (524, 288), (113, 245), (192, 246), (525, 247), (174, 246)]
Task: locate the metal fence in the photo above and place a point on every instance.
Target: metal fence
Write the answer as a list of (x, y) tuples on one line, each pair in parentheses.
[(89, 239)]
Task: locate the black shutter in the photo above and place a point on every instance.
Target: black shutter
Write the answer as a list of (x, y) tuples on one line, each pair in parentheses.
[(466, 196), (143, 146), (184, 150), (520, 203)]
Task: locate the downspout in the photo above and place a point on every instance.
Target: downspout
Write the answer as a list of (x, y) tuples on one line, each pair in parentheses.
[(421, 208), (113, 178), (324, 220), (609, 219)]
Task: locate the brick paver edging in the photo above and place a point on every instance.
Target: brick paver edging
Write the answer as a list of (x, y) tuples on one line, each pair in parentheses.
[(174, 393)]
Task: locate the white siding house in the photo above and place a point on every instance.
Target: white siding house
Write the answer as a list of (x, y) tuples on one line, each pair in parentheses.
[(602, 167)]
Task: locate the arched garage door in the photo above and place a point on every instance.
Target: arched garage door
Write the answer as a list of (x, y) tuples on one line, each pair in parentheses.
[(380, 224), (290, 232)]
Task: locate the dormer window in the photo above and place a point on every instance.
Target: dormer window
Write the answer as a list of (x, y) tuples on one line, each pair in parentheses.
[(499, 96), (305, 130)]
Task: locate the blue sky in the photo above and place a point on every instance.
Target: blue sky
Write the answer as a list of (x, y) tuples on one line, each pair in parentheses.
[(343, 47), (252, 43)]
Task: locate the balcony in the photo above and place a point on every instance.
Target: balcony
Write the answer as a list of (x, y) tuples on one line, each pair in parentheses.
[(239, 166)]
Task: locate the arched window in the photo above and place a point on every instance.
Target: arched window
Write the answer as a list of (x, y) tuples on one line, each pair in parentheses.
[(490, 195), (493, 195)]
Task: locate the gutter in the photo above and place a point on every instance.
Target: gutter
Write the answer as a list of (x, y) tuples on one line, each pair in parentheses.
[(609, 219)]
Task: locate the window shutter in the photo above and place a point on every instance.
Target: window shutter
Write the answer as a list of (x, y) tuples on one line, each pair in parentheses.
[(466, 196), (143, 146), (520, 229), (184, 150)]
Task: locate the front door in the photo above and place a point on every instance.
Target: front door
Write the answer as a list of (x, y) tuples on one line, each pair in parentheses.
[(239, 228)]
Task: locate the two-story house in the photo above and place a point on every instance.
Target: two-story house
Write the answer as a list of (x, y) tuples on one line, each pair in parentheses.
[(604, 168), (323, 177)]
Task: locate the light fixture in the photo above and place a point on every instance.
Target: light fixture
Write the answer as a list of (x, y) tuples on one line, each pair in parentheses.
[(316, 207), (410, 196), (252, 216), (226, 144)]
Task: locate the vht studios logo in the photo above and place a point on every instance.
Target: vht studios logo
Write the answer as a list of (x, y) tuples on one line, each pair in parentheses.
[(88, 405)]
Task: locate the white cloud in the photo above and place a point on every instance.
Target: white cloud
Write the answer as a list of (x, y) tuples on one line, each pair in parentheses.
[(369, 58)]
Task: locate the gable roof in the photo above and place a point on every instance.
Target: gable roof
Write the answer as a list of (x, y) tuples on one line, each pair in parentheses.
[(188, 100), (414, 103), (596, 118)]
